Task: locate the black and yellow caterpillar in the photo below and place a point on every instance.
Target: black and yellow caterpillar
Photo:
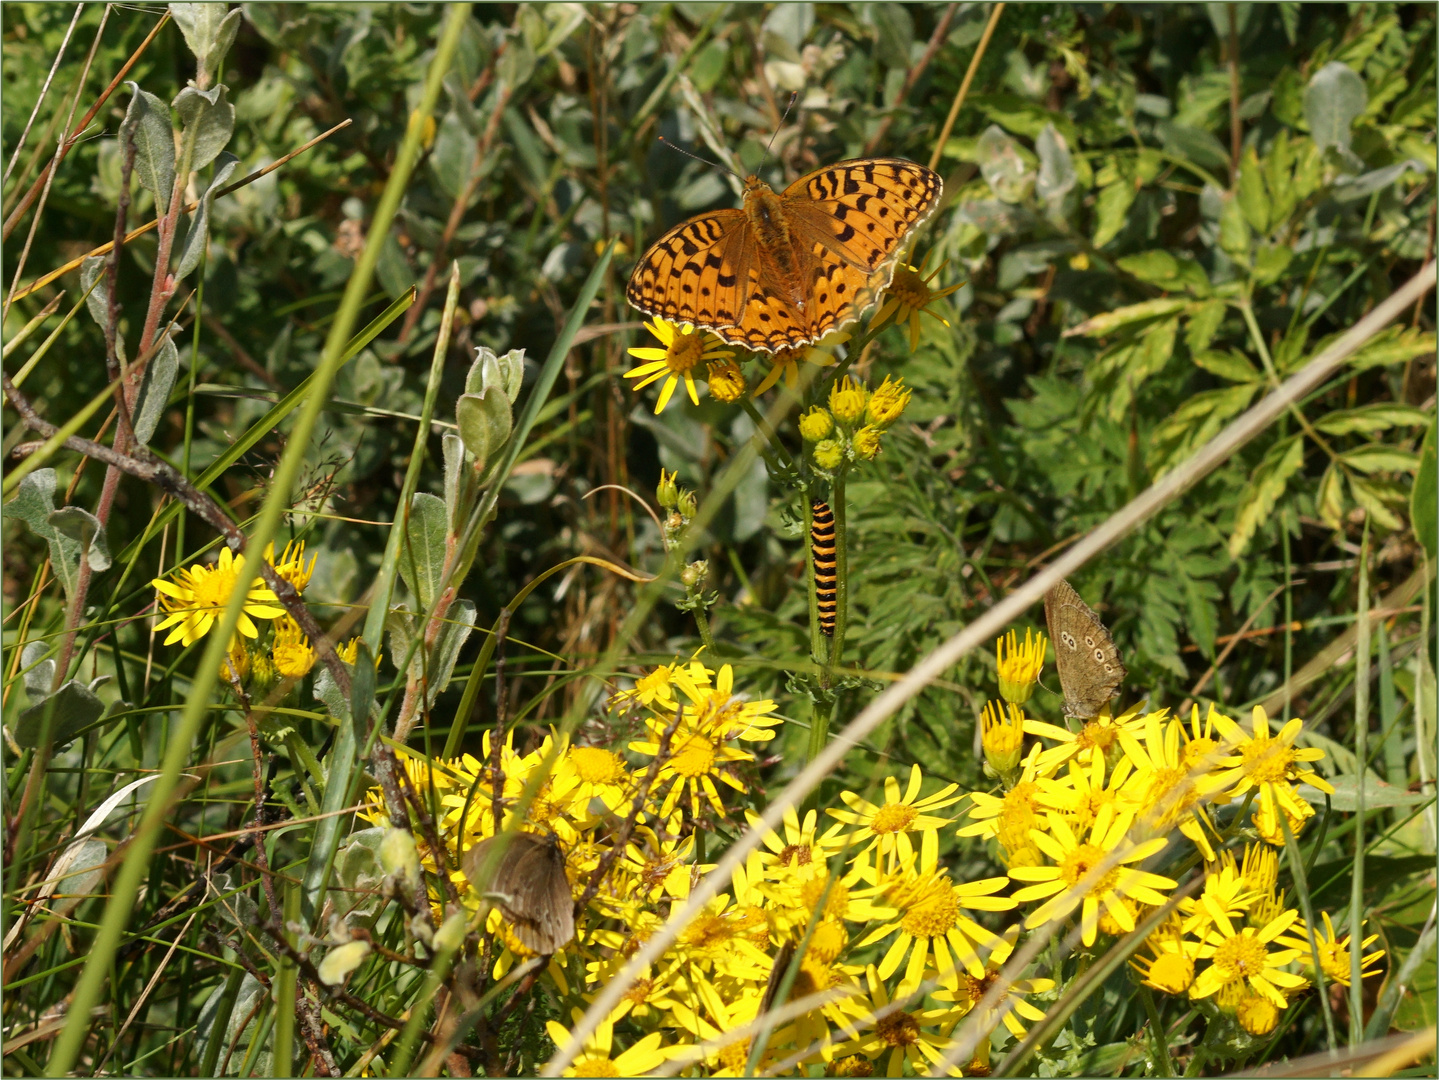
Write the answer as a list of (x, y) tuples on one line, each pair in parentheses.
[(821, 542)]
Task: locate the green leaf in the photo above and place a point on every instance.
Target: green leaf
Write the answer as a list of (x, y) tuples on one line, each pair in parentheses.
[(1111, 210), (34, 503), (1234, 230), (422, 552), (97, 300), (1253, 198), (1374, 496), (1003, 165), (1110, 321), (1377, 794), (1394, 345), (1379, 457), (1230, 364), (1266, 485), (72, 707), (1334, 98), (155, 387), (1270, 262), (1330, 500), (1056, 167), (1193, 143), (85, 529), (147, 121), (209, 31), (1423, 511), (208, 119), (199, 231), (1204, 321), (1159, 267), (1370, 418)]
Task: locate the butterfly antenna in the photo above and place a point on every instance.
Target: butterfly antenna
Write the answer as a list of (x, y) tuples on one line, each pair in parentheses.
[(793, 97), (703, 161)]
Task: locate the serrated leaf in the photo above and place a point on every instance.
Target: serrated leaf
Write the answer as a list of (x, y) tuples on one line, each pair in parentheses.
[(154, 392), (1204, 321), (1228, 364), (1234, 230), (208, 120), (1370, 418), (1111, 210), (1110, 321), (1395, 345), (147, 121), (423, 549), (1333, 100), (1158, 267), (1377, 457), (1266, 486), (199, 233), (1330, 500), (1373, 497), (1424, 498), (1270, 262), (1253, 198)]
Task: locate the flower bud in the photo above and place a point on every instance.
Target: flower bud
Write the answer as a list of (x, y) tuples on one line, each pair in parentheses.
[(1003, 737), (726, 381), (866, 442), (815, 425), (828, 454), (693, 575), (667, 492), (1019, 665), (688, 505), (847, 400), (887, 402)]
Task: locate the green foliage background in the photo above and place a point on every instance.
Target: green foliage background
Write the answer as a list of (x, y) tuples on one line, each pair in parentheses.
[(1124, 299)]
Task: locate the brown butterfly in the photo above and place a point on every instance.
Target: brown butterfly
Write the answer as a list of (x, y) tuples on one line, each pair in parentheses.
[(789, 268), (1090, 670), (530, 886)]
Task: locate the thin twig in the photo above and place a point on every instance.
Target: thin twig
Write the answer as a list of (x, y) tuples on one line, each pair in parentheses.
[(963, 91), (44, 92)]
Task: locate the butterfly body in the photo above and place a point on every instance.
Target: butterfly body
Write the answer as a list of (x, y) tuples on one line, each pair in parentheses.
[(1090, 670), (791, 266)]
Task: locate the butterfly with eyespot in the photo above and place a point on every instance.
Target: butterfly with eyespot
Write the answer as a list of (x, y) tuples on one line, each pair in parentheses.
[(1090, 670), (791, 267), (527, 881)]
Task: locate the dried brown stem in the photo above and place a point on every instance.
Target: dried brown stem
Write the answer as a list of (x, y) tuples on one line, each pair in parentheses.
[(935, 41)]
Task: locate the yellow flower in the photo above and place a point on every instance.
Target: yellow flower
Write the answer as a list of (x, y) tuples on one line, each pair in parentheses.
[(726, 381), (1003, 737), (656, 689), (847, 400), (1257, 1015), (195, 601), (1166, 791), (1010, 818), (866, 442), (1242, 955), (898, 1035), (815, 424), (723, 1013), (602, 775), (797, 848), (1074, 860), (684, 349), (887, 402), (887, 826), (972, 988), (786, 361), (291, 649), (349, 652), (931, 917), (644, 1056), (828, 454), (1334, 956), (1101, 734), (1083, 794), (1019, 665), (292, 566), (909, 294), (237, 661), (1170, 965), (1273, 765)]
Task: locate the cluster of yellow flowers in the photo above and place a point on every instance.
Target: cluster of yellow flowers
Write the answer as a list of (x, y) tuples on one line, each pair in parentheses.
[(194, 598), (854, 422), (911, 293), (892, 952)]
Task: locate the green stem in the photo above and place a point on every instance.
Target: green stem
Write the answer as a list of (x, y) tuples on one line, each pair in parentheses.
[(769, 433), (702, 621), (1156, 1031), (1255, 335), (1361, 757), (1301, 885)]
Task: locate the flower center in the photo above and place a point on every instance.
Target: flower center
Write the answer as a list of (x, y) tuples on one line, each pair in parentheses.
[(893, 818), (1080, 862), (1017, 816), (1172, 973), (974, 989), (684, 352), (695, 758), (1241, 956), (596, 766), (811, 891), (898, 1029), (1172, 794), (909, 288), (639, 990), (1097, 736), (934, 911), (596, 1066), (707, 931), (212, 588), (1200, 750), (796, 854), (1267, 762), (734, 1057)]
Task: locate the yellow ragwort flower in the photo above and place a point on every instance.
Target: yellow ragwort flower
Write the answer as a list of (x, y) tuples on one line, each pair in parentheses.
[(1019, 665), (1241, 954), (828, 455), (291, 649), (726, 381), (887, 402), (194, 602), (847, 400), (1002, 736), (786, 361), (685, 348), (1334, 956), (866, 442), (910, 294), (815, 424)]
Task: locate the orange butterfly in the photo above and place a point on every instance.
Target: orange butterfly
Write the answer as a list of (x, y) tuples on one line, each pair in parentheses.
[(788, 268)]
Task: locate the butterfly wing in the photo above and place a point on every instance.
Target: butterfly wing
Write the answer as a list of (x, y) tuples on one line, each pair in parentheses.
[(1090, 670), (852, 219), (700, 272), (542, 911)]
